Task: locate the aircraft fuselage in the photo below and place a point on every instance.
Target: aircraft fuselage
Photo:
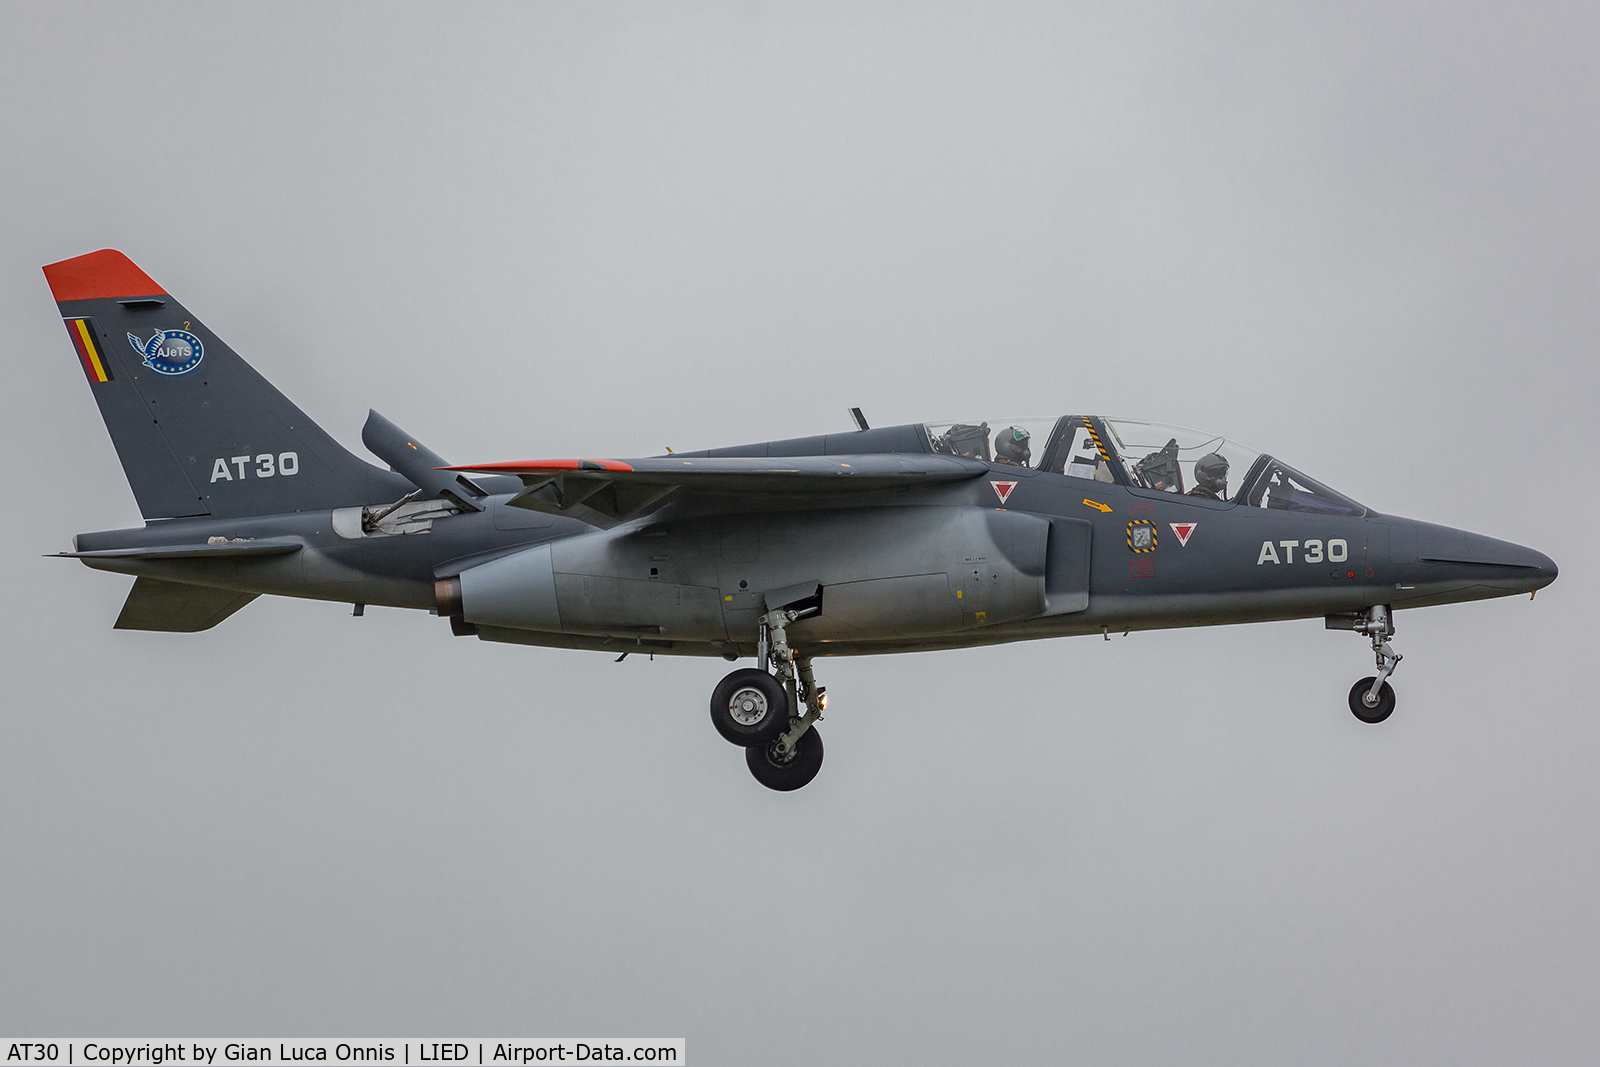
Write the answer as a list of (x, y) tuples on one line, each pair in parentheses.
[(693, 584)]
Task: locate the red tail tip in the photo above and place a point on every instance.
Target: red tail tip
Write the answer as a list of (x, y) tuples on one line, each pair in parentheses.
[(99, 275)]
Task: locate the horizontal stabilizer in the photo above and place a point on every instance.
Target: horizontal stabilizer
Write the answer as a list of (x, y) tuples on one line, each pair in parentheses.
[(607, 491), (174, 607)]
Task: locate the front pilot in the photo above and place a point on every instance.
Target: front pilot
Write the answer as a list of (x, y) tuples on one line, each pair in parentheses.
[(1210, 477)]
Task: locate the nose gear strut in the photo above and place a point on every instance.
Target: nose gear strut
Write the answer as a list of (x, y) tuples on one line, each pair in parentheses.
[(1372, 699)]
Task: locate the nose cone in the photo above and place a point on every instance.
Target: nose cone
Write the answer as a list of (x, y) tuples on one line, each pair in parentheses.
[(1523, 569), (1475, 550), (1456, 556), (1543, 564)]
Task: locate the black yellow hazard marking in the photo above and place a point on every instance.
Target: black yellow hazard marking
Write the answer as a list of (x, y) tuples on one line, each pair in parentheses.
[(1096, 438), (1142, 535)]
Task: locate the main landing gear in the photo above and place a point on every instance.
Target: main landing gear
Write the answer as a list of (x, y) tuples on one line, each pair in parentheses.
[(759, 709), (1372, 698)]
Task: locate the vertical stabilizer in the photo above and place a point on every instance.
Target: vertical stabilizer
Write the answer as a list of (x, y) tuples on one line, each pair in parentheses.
[(198, 431)]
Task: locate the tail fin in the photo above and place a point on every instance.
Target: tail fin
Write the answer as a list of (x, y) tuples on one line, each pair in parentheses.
[(198, 431)]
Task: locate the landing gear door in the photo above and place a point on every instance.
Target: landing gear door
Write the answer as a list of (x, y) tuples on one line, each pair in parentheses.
[(1066, 570)]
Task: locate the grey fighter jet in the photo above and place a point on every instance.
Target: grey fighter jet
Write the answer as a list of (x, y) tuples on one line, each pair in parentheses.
[(888, 539)]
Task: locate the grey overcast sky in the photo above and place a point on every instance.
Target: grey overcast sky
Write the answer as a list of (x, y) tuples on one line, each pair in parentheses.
[(1364, 237)]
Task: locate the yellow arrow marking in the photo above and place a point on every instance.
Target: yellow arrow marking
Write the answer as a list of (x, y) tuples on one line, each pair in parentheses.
[(1104, 509)]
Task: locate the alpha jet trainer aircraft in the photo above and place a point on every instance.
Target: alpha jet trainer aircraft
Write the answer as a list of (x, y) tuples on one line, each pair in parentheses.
[(890, 539)]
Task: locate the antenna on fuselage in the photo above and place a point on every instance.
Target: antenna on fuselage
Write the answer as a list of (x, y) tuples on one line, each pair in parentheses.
[(861, 420)]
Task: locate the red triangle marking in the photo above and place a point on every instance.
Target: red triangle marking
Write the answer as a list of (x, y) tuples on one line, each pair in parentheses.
[(1003, 489), (1184, 530)]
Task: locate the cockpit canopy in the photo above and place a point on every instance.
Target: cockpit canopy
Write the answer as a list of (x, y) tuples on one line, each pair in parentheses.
[(1142, 455)]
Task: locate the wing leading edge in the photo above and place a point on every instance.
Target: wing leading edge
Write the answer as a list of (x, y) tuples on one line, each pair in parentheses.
[(605, 492)]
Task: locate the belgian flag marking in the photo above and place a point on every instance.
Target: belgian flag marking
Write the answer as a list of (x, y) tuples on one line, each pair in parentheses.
[(94, 364)]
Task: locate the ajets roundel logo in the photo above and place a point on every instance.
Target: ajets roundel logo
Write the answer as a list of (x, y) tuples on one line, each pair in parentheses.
[(170, 352)]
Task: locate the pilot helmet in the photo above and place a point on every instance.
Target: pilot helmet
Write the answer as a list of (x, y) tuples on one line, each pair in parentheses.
[(1211, 472), (1011, 445)]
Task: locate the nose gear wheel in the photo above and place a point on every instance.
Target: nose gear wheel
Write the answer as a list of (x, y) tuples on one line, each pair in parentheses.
[(1372, 699), (1372, 707)]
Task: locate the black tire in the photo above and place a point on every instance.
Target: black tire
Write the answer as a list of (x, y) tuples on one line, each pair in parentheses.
[(764, 711), (801, 767), (1371, 713)]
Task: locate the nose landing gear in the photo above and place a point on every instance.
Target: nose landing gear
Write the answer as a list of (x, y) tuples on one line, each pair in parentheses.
[(1372, 698), (758, 709)]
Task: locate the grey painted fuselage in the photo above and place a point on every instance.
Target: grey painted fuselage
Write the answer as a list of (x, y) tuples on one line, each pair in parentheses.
[(903, 570)]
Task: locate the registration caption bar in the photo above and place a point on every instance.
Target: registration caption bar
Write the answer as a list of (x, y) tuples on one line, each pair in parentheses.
[(502, 1052)]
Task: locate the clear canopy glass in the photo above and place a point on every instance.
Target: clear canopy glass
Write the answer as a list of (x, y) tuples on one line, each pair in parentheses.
[(1282, 487), (1164, 458), (1018, 441), (1148, 455)]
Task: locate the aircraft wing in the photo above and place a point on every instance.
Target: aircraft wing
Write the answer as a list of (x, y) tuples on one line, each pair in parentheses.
[(605, 492)]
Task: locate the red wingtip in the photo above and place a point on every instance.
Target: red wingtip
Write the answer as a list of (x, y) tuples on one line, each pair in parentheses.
[(99, 275)]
